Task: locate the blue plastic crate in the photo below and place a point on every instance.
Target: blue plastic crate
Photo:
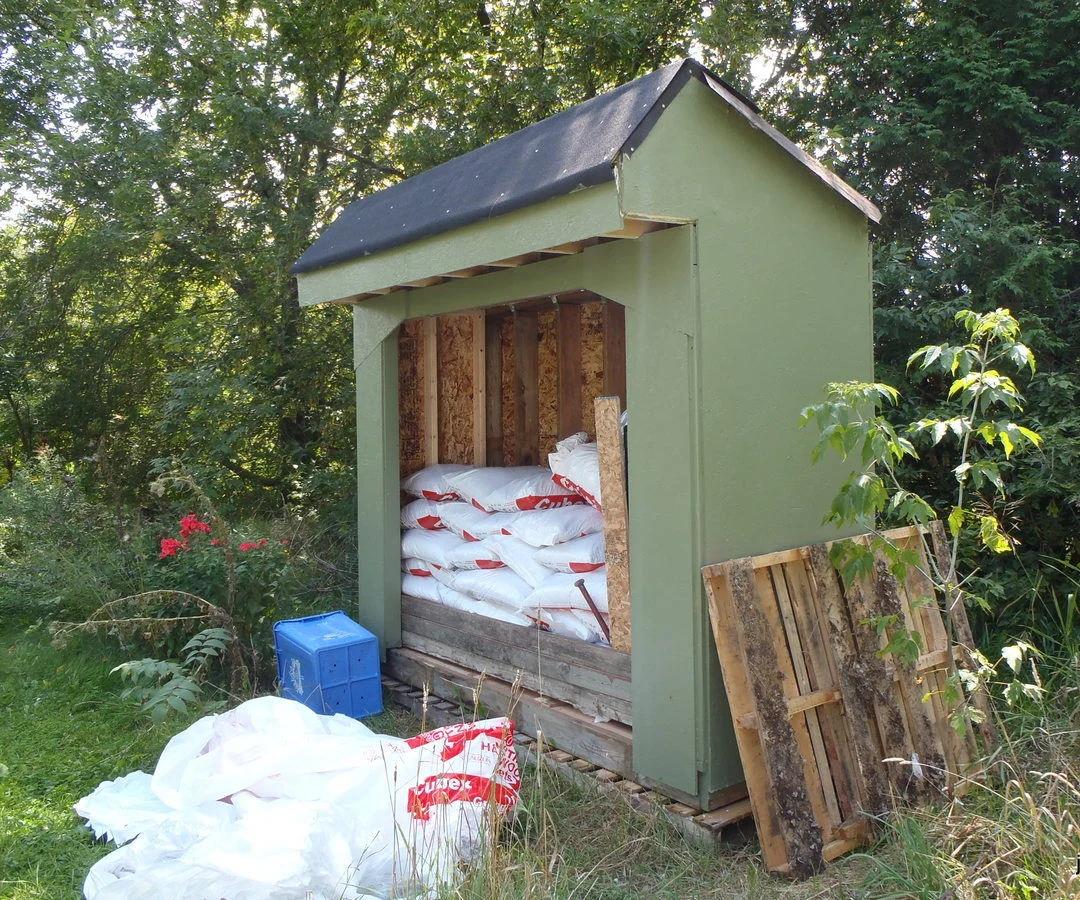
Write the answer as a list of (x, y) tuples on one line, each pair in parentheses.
[(330, 664)]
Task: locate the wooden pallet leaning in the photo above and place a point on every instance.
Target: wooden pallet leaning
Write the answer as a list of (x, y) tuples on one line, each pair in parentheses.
[(831, 734)]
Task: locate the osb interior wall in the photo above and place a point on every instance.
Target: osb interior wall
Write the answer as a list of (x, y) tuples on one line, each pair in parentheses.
[(455, 390)]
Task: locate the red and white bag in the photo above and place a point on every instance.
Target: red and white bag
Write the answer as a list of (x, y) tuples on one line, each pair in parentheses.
[(581, 555), (546, 527), (474, 555), (430, 546), (559, 591), (472, 524), (494, 585), (510, 489), (422, 514), (418, 567), (576, 466), (518, 556), (431, 484), (424, 588), (449, 597), (573, 623)]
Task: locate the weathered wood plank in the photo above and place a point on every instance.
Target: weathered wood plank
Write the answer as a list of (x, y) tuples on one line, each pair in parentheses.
[(786, 753), (869, 770), (548, 678), (924, 739), (741, 703), (553, 646), (957, 615), (609, 441), (604, 744)]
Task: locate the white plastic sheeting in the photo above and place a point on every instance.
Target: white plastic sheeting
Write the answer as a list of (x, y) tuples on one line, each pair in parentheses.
[(271, 800)]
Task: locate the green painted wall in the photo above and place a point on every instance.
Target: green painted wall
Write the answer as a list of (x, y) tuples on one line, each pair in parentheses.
[(733, 325), (785, 305)]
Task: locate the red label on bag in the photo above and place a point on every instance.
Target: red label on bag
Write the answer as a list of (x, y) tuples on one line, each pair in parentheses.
[(549, 502), (438, 790), (431, 523), (582, 568), (489, 564), (563, 481)]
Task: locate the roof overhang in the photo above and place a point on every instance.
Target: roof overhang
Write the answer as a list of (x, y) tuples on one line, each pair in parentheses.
[(557, 227)]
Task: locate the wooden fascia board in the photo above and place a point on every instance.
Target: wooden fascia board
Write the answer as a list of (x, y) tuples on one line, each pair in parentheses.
[(562, 220)]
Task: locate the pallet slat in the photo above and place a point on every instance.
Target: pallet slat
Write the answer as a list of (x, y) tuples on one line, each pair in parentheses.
[(817, 710)]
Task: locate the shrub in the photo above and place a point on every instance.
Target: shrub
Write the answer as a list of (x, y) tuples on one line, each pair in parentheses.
[(61, 555)]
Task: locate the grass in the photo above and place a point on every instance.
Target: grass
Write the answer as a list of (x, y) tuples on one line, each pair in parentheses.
[(64, 729)]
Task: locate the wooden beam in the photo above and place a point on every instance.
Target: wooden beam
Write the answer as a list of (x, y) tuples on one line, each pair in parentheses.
[(512, 262), (526, 394), (566, 249), (568, 344), (493, 434), (429, 362), (479, 387), (470, 272), (635, 228), (609, 440), (614, 325), (796, 705)]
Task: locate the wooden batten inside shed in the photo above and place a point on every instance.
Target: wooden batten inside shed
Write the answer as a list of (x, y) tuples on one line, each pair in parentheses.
[(661, 244)]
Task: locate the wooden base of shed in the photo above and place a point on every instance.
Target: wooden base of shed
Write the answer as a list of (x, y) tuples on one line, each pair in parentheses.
[(703, 827), (573, 695)]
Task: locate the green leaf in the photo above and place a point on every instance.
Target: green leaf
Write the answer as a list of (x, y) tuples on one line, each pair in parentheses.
[(956, 520)]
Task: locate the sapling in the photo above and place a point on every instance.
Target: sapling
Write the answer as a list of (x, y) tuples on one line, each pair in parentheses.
[(976, 422)]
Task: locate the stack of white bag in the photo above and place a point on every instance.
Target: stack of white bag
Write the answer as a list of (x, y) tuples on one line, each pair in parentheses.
[(271, 800), (509, 543)]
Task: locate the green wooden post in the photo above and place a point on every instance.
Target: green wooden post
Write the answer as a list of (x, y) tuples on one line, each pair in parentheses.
[(378, 511)]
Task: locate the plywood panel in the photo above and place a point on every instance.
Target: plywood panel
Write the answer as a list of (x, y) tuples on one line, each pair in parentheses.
[(526, 395), (547, 375), (592, 362), (455, 389), (509, 400)]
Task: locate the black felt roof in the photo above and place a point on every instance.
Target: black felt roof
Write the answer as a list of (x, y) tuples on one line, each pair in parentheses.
[(572, 149)]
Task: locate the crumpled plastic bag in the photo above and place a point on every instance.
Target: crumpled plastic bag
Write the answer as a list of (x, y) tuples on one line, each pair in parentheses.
[(271, 800)]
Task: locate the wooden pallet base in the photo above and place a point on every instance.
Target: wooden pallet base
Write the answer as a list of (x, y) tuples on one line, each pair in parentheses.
[(707, 828)]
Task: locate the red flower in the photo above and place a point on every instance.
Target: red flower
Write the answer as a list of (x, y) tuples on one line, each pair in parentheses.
[(192, 524), (216, 542), (253, 545), (170, 547)]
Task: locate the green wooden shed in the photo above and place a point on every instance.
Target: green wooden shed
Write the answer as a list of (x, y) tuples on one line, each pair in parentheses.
[(661, 243)]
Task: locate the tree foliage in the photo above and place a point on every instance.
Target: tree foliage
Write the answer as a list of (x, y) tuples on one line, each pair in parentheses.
[(162, 164)]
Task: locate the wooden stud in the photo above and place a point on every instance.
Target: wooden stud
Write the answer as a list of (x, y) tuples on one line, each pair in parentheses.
[(609, 440), (635, 228), (526, 356), (614, 325), (493, 391), (479, 387), (568, 343), (429, 349)]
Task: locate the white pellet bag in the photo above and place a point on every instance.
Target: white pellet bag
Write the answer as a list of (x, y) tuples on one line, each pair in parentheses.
[(558, 591), (417, 567), (474, 555), (511, 489), (430, 546), (581, 555), (546, 527), (572, 623), (431, 483), (271, 800), (575, 465), (449, 597), (422, 514), (424, 588), (494, 585), (472, 524), (518, 556)]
